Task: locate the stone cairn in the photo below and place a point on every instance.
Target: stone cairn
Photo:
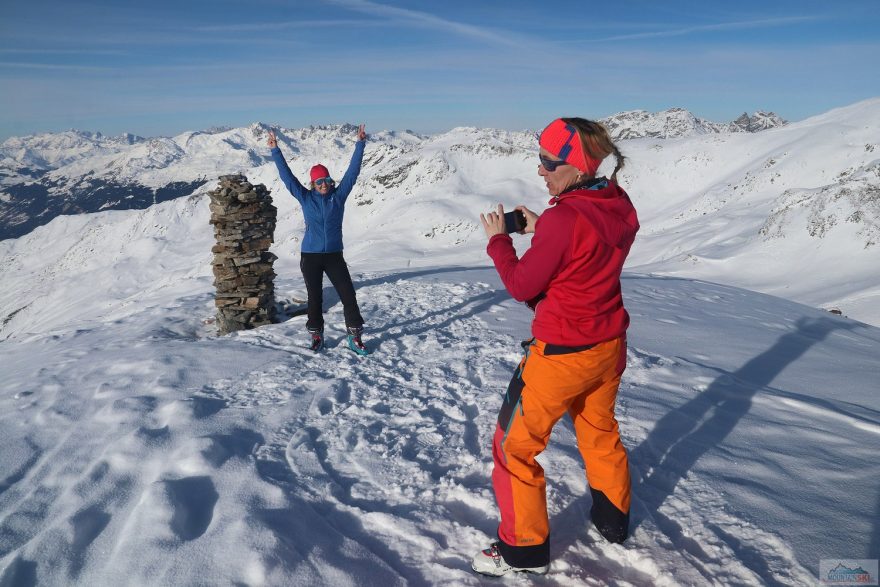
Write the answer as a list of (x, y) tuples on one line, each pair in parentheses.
[(244, 225)]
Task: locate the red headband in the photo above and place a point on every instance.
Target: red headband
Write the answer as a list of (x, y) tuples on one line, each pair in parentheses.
[(563, 140)]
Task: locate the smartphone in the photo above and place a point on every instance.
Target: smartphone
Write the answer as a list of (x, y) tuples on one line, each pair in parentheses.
[(514, 221)]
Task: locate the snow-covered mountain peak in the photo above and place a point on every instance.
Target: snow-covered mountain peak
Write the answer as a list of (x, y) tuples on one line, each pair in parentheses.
[(672, 123), (52, 150), (757, 122), (678, 122)]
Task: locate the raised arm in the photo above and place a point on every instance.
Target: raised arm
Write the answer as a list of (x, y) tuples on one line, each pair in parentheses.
[(287, 177), (354, 167)]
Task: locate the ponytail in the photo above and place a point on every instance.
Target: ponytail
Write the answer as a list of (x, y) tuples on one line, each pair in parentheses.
[(597, 142), (620, 162)]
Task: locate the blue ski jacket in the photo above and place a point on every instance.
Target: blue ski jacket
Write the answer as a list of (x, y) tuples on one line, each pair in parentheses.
[(323, 214)]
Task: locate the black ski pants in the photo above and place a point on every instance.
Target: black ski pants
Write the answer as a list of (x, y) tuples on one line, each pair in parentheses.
[(314, 266)]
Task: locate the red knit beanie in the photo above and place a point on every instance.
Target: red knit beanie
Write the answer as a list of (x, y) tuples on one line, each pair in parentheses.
[(563, 140), (319, 171)]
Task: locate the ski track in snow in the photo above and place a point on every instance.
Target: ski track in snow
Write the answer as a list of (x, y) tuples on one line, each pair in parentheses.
[(369, 471)]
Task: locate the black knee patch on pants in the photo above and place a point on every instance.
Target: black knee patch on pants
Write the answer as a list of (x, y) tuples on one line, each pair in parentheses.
[(611, 523)]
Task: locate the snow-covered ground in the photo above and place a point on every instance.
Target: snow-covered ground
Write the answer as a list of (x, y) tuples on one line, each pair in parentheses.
[(139, 448)]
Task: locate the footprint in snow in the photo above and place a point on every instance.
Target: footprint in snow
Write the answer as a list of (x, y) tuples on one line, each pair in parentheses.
[(192, 500)]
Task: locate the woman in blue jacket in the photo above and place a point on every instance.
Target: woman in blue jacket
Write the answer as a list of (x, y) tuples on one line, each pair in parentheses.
[(323, 205)]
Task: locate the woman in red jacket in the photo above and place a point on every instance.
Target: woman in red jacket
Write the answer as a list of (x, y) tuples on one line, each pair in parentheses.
[(570, 275)]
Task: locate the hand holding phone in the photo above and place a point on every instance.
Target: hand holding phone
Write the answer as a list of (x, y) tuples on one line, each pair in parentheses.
[(514, 221)]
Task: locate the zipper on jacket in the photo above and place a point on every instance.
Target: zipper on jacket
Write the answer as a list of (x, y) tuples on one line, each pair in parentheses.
[(324, 218)]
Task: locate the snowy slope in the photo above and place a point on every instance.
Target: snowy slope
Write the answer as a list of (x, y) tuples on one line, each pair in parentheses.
[(139, 448), (792, 211)]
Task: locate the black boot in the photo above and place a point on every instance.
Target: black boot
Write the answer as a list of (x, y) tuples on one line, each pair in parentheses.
[(317, 339), (611, 523)]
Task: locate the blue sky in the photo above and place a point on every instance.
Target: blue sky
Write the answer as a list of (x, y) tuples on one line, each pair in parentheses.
[(160, 67)]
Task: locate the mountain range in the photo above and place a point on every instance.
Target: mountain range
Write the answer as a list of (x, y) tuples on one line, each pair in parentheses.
[(76, 172), (792, 210)]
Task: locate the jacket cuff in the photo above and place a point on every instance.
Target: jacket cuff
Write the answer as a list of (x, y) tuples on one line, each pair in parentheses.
[(497, 238)]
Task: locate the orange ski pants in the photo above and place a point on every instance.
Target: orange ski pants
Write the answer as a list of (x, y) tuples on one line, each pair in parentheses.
[(550, 382)]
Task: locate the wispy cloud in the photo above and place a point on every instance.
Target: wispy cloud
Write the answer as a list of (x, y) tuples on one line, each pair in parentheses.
[(430, 20), (62, 52), (55, 66), (290, 24), (683, 31)]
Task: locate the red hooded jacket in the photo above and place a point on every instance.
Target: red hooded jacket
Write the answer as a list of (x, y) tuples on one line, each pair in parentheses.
[(575, 261)]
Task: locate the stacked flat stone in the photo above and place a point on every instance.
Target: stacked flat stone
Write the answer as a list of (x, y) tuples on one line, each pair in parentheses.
[(244, 225)]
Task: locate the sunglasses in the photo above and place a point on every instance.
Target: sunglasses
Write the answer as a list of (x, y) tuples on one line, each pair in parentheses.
[(323, 180), (550, 164)]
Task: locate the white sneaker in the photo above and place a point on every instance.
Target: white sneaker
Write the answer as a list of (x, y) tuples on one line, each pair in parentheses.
[(490, 562)]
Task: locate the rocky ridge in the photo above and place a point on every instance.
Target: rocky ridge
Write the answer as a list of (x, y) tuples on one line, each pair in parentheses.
[(678, 123)]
